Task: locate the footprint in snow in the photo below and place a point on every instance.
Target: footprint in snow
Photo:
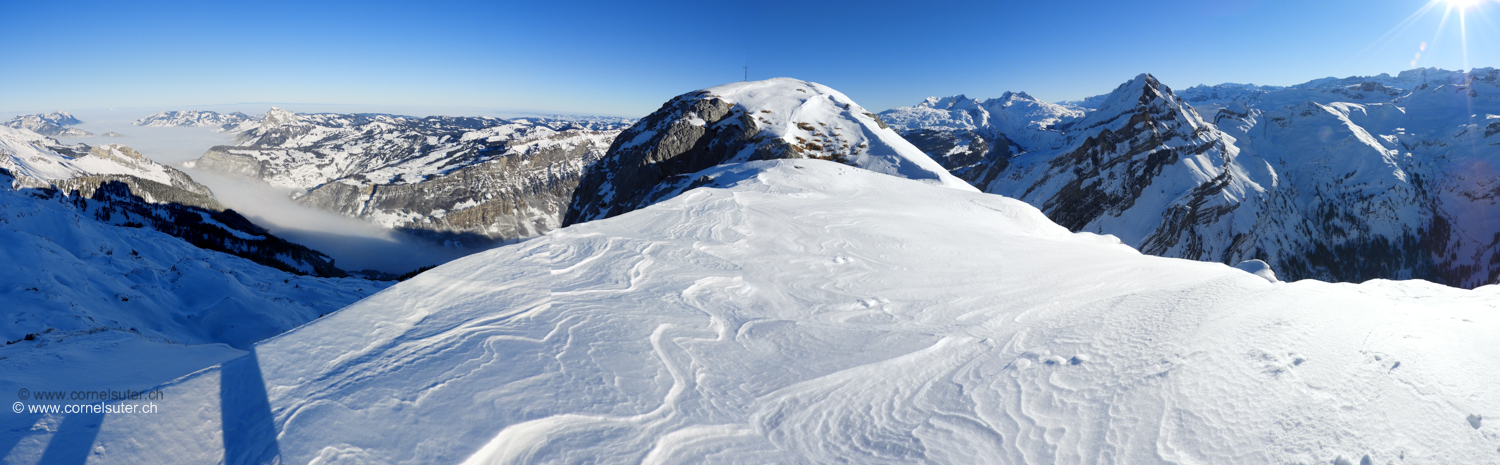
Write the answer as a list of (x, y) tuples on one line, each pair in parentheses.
[(1045, 357), (1343, 461)]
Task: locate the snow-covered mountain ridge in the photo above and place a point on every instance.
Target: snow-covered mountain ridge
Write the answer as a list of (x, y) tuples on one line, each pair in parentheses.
[(806, 311), (50, 124), (193, 119), (465, 179), (761, 120), (1335, 179)]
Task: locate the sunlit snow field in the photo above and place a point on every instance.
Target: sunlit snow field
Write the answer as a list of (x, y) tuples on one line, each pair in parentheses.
[(808, 312)]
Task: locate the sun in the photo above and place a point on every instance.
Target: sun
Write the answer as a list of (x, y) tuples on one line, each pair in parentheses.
[(1464, 4)]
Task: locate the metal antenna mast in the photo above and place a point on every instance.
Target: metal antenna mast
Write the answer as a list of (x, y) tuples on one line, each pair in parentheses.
[(747, 72)]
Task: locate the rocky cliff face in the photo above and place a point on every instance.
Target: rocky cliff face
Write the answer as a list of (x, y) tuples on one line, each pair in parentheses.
[(1337, 179), (1110, 158), (772, 119), (688, 134), (523, 193), (459, 180)]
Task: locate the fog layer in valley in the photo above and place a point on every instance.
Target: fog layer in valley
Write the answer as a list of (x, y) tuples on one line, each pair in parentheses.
[(354, 244)]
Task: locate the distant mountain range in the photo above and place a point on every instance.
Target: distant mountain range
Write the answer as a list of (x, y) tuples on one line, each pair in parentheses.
[(1345, 179), (1335, 179), (50, 124), (470, 181), (193, 119)]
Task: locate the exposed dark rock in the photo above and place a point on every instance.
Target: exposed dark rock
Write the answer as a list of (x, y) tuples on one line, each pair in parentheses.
[(668, 144)]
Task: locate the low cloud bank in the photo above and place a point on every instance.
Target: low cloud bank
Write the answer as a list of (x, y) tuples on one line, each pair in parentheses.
[(354, 244)]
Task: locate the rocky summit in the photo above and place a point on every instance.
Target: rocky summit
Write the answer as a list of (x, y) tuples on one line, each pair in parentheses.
[(778, 118)]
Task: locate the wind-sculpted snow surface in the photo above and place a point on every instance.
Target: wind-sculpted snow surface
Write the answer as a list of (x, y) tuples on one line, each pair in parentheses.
[(802, 311)]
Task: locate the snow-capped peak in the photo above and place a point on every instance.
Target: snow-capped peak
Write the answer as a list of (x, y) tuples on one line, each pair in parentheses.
[(60, 118), (1137, 92), (779, 118), (1141, 95), (49, 124), (277, 117), (820, 122)]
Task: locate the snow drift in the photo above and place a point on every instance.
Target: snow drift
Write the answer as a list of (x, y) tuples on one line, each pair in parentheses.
[(808, 311)]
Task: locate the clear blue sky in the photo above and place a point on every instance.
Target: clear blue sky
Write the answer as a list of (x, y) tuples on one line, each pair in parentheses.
[(626, 58)]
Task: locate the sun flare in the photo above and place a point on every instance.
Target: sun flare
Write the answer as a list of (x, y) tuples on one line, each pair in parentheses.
[(1464, 3)]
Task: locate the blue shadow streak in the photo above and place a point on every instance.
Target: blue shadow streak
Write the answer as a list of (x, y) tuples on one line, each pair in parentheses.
[(14, 428), (249, 426), (74, 439)]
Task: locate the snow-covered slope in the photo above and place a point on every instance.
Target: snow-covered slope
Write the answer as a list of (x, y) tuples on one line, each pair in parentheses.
[(115, 280), (816, 121), (173, 119), (804, 311), (117, 185), (34, 159), (743, 121), (50, 124), (91, 305), (456, 179), (81, 273)]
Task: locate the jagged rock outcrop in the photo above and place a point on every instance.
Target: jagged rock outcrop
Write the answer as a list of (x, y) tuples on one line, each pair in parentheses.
[(1112, 155), (688, 134), (772, 119)]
